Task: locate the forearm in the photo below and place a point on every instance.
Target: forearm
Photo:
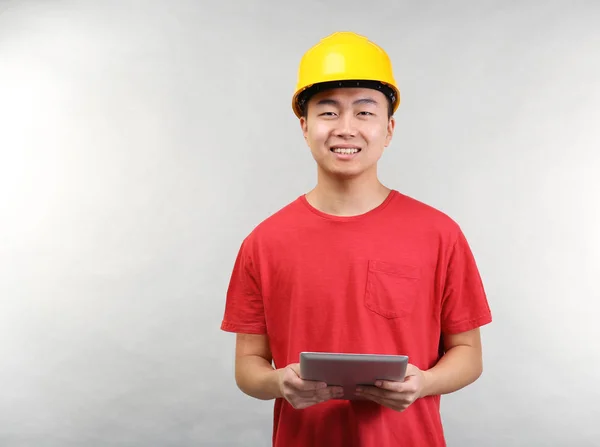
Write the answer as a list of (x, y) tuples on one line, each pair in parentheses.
[(460, 366), (256, 377)]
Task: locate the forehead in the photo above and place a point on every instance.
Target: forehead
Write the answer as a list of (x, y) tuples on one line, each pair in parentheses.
[(349, 95)]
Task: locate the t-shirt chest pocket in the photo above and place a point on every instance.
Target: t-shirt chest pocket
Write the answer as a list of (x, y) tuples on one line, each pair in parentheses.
[(392, 288)]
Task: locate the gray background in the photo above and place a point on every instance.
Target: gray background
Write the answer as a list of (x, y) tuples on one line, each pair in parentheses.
[(141, 141)]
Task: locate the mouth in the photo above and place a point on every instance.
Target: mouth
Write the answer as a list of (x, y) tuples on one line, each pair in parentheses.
[(343, 150)]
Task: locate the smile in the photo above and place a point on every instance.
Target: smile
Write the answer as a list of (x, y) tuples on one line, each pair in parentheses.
[(345, 150)]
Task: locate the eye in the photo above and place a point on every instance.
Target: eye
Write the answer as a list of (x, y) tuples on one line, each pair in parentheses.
[(365, 113), (327, 114)]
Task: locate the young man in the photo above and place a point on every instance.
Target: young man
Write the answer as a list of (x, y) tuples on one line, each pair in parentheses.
[(355, 267)]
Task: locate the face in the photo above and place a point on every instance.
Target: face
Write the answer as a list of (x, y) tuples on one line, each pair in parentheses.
[(347, 130)]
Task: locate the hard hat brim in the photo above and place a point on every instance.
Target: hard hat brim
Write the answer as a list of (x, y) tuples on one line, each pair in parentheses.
[(303, 95)]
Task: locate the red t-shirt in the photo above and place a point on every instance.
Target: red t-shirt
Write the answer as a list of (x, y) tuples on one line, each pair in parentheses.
[(390, 281)]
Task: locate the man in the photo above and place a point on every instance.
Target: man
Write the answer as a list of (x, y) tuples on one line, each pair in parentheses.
[(355, 267)]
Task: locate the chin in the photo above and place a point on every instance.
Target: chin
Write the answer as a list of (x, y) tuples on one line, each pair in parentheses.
[(344, 174)]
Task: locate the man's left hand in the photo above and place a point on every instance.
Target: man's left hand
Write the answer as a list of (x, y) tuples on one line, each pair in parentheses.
[(396, 395)]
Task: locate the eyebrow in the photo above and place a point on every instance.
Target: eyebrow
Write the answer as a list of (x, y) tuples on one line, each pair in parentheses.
[(333, 102)]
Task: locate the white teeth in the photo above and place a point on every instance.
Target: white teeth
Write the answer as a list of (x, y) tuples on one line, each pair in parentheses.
[(339, 150)]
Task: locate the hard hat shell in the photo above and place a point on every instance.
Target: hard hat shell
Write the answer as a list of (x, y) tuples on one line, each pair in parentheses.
[(345, 59)]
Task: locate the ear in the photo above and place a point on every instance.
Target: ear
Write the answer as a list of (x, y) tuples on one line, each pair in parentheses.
[(390, 130), (304, 127)]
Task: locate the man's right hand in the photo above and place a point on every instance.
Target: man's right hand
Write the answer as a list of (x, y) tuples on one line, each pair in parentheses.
[(304, 393)]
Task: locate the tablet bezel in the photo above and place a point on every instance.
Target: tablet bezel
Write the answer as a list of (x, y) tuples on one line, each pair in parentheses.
[(349, 370)]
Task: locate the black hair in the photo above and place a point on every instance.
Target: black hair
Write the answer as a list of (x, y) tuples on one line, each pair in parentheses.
[(305, 96)]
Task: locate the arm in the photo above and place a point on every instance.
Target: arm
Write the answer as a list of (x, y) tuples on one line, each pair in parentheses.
[(255, 376), (254, 373), (464, 309), (460, 366)]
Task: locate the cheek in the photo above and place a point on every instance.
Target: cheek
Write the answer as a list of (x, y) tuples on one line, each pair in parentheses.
[(378, 134), (318, 135)]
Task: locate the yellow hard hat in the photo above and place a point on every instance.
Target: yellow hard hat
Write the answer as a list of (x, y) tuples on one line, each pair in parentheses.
[(345, 59)]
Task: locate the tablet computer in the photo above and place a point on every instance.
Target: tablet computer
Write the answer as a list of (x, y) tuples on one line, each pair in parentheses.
[(351, 370)]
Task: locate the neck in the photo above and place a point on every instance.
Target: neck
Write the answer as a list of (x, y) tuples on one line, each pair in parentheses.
[(347, 197)]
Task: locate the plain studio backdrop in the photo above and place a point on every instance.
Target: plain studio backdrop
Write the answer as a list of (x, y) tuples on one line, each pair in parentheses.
[(140, 142)]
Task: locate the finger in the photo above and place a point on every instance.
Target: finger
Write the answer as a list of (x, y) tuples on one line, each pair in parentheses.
[(409, 385), (392, 400), (390, 385), (293, 380), (379, 393), (308, 386), (314, 399), (326, 393), (388, 399), (331, 392)]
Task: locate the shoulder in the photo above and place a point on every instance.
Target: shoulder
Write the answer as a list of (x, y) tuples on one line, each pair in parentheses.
[(426, 216), (276, 225)]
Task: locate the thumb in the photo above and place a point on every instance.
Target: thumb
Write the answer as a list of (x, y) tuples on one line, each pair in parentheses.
[(295, 367), (306, 385), (411, 370)]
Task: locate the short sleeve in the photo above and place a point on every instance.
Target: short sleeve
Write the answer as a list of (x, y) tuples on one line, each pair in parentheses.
[(244, 310), (464, 301)]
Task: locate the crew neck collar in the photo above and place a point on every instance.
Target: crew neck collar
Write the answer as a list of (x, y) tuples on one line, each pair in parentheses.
[(393, 193)]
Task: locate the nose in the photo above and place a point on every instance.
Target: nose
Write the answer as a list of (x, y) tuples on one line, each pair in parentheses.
[(346, 126)]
